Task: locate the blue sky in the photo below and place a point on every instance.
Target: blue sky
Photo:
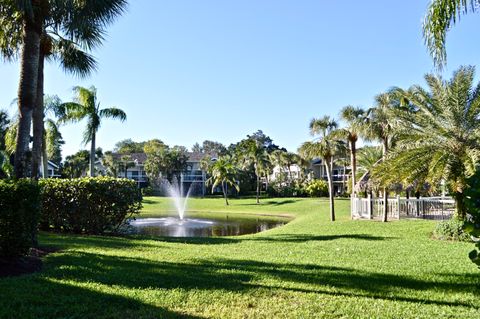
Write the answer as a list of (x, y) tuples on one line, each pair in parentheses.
[(189, 70)]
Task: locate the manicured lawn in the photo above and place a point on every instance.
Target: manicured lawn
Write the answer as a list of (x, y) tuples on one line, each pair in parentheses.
[(309, 268)]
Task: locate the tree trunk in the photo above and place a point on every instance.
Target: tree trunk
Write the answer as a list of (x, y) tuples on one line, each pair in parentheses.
[(353, 160), (44, 156), (460, 209), (27, 92), (328, 168), (224, 193), (385, 206), (258, 189), (38, 125), (92, 156), (385, 189)]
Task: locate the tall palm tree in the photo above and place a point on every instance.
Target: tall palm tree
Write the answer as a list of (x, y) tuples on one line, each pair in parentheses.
[(222, 172), (439, 137), (326, 147), (22, 24), (440, 17), (85, 106), (254, 153), (62, 31), (353, 118), (379, 124)]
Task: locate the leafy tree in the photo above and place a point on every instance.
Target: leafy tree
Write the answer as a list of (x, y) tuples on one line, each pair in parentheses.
[(128, 146), (76, 165), (439, 135), (326, 147), (440, 17), (210, 147), (85, 106), (222, 172), (111, 164), (163, 161), (353, 118), (6, 169)]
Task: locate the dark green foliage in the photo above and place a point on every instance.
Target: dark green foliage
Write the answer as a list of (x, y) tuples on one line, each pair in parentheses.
[(19, 213), (317, 188), (147, 191), (286, 190), (88, 205), (472, 204), (451, 229)]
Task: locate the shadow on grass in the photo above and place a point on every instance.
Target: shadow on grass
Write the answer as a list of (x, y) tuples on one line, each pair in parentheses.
[(278, 202), (244, 275), (42, 297), (285, 238)]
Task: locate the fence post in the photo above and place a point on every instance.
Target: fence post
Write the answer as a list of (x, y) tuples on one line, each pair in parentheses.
[(398, 206)]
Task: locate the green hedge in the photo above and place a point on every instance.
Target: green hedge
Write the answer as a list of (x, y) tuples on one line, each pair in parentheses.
[(91, 205), (19, 214)]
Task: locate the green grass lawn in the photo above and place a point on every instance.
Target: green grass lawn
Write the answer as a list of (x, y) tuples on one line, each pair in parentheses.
[(309, 268)]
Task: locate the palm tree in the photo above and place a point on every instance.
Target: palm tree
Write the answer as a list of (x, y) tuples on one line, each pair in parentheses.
[(379, 123), (353, 118), (22, 22), (440, 17), (222, 172), (57, 30), (85, 106), (326, 147), (254, 153), (439, 135)]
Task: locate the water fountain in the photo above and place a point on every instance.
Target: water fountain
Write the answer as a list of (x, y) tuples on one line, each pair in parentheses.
[(193, 227)]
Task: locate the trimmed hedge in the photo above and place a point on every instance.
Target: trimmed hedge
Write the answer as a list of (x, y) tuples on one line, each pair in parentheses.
[(19, 214), (91, 205)]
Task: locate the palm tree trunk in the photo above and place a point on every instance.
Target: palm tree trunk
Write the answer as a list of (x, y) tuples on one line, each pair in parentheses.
[(92, 156), (38, 125), (385, 189), (460, 209), (353, 160), (258, 189), (329, 168), (27, 92), (44, 156), (224, 193)]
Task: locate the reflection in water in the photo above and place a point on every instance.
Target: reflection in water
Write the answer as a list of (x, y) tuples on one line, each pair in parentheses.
[(198, 227)]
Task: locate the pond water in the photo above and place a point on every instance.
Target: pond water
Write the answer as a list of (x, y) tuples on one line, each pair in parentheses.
[(201, 227)]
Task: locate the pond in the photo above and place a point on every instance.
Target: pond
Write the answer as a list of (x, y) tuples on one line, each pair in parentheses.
[(203, 227)]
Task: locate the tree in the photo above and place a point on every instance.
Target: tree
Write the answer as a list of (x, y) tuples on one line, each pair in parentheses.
[(75, 165), (128, 146), (61, 31), (4, 123), (111, 164), (440, 17), (379, 124), (353, 118), (326, 147), (254, 153), (85, 106), (222, 172), (210, 147), (438, 135), (163, 161)]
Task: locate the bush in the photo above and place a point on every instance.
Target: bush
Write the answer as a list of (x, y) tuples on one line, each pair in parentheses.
[(317, 188), (285, 190), (451, 229), (147, 191), (19, 214), (92, 205), (472, 225)]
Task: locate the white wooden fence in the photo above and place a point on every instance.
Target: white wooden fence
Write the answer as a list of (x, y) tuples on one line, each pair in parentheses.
[(424, 207)]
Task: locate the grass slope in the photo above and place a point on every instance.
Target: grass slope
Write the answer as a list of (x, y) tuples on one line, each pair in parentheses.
[(310, 268)]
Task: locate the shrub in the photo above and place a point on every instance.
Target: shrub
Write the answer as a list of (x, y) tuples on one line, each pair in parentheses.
[(281, 189), (451, 229), (92, 205), (147, 191), (317, 188), (19, 214), (472, 203)]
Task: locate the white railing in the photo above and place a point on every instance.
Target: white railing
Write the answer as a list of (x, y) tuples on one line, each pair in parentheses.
[(426, 207)]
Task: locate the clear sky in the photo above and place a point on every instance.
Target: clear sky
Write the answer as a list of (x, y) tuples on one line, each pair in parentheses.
[(189, 70)]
